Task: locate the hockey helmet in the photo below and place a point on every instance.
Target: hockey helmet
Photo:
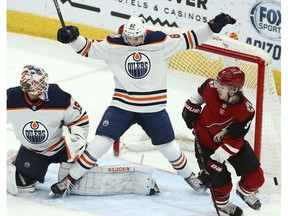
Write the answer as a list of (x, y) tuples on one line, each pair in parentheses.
[(135, 27), (232, 77), (34, 80)]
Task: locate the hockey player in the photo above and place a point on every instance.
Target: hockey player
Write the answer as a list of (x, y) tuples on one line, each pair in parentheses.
[(38, 111), (139, 62), (220, 130)]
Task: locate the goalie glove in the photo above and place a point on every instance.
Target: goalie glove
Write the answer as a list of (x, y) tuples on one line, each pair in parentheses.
[(68, 34), (220, 21), (190, 113), (75, 142)]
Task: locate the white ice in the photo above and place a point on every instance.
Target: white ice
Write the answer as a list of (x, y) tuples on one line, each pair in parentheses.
[(91, 83)]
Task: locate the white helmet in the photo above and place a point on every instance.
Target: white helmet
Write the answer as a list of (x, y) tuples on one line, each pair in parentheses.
[(135, 27), (34, 80)]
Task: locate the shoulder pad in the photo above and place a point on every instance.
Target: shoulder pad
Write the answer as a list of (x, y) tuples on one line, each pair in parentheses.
[(208, 82), (15, 97), (155, 36), (57, 97), (115, 39)]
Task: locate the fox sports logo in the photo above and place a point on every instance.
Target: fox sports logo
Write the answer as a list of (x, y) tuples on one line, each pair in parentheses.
[(265, 17), (137, 65)]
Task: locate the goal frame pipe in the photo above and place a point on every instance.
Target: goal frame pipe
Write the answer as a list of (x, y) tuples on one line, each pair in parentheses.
[(260, 86)]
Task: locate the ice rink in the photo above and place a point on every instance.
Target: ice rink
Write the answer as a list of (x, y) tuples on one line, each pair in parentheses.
[(91, 84)]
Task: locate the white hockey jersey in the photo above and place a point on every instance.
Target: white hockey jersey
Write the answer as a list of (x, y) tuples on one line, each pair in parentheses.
[(140, 73), (39, 126)]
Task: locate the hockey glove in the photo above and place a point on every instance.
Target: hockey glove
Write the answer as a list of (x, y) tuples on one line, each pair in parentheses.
[(75, 142), (190, 113), (68, 34), (220, 21), (212, 167)]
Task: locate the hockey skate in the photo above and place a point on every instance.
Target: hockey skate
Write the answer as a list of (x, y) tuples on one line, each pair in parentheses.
[(63, 187), (196, 183), (25, 183), (251, 200), (231, 209), (155, 188), (29, 188)]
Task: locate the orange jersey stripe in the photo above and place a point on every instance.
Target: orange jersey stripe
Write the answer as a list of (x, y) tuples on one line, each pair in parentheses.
[(140, 99), (68, 152), (39, 102), (86, 50), (54, 146), (20, 108), (84, 118), (86, 161), (53, 108), (50, 148), (190, 39)]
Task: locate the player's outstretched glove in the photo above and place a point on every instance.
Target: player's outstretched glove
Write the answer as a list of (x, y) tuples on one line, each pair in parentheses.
[(75, 142), (68, 34), (220, 21), (212, 167), (190, 113)]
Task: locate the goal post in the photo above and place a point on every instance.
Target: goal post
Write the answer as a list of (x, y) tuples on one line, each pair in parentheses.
[(190, 68)]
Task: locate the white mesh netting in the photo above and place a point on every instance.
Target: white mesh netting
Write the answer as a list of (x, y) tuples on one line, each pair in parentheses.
[(188, 69)]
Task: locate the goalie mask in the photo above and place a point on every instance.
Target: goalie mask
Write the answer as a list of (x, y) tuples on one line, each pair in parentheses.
[(232, 77), (34, 80), (134, 29)]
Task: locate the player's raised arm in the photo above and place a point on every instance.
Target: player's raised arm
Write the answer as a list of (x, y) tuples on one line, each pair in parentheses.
[(203, 33), (68, 34), (220, 21)]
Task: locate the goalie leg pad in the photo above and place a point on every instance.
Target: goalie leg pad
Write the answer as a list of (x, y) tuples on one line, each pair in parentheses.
[(11, 180), (16, 182), (113, 180)]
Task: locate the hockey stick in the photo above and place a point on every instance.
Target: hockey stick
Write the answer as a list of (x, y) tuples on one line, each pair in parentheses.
[(59, 14), (198, 149)]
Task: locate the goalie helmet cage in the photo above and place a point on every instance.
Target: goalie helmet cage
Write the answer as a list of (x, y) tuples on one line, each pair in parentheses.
[(188, 69)]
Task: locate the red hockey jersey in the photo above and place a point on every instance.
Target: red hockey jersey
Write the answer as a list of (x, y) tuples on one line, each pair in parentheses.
[(221, 123)]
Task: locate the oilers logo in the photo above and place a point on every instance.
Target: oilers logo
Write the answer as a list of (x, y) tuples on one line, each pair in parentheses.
[(35, 132), (265, 17), (137, 65)]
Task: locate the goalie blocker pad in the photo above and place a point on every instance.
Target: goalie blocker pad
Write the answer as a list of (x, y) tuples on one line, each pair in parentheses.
[(113, 180)]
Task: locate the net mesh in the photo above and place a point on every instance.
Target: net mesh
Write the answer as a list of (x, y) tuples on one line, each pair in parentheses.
[(189, 69)]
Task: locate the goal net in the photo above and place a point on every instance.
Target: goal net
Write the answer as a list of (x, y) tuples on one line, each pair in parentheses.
[(190, 68)]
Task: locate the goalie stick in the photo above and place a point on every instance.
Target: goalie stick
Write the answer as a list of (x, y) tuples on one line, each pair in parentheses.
[(198, 149), (59, 14)]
